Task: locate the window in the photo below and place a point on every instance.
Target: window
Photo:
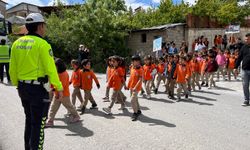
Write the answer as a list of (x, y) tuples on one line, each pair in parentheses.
[(144, 38)]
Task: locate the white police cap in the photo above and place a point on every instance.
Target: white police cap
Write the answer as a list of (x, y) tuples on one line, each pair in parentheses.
[(34, 18)]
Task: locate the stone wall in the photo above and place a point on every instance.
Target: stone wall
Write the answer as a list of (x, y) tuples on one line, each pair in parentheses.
[(134, 42), (176, 34)]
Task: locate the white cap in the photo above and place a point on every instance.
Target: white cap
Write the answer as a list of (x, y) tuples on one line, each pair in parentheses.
[(34, 18)]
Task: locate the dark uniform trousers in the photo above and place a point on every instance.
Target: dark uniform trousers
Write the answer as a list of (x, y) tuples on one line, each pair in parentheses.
[(6, 65), (35, 101)]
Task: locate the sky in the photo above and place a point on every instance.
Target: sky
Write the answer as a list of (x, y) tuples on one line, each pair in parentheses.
[(133, 3)]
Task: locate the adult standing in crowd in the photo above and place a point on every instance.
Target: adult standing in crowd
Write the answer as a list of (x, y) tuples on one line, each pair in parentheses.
[(224, 41), (244, 57), (83, 53), (4, 60), (32, 68)]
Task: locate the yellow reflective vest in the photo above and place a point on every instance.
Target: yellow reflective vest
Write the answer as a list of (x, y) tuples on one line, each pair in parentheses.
[(31, 58), (4, 54)]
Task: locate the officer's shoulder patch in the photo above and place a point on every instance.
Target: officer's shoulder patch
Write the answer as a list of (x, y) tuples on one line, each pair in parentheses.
[(51, 52)]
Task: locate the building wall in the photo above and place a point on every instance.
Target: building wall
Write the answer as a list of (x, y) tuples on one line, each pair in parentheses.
[(22, 10), (193, 33), (175, 34), (3, 8)]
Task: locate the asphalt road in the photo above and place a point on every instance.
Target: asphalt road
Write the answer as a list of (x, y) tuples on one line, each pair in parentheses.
[(213, 120)]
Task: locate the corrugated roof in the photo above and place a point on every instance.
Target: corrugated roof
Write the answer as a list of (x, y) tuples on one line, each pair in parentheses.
[(166, 26)]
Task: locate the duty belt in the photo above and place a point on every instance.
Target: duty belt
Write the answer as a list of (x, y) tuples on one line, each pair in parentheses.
[(32, 82)]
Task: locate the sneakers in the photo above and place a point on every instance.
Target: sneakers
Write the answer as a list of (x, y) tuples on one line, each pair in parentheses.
[(122, 107), (75, 119), (156, 90), (50, 123), (139, 112), (107, 110), (246, 103), (148, 96), (203, 83), (94, 106), (124, 99), (83, 110), (106, 99), (142, 93), (134, 116)]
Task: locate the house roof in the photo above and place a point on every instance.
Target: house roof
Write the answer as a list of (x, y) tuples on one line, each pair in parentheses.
[(3, 1), (49, 9), (161, 27), (21, 4)]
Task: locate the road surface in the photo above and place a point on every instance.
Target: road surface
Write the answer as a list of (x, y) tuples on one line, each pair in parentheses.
[(213, 120)]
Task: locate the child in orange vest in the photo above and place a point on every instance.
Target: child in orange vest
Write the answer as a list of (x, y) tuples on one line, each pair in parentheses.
[(231, 64), (182, 73), (135, 85), (122, 65), (203, 65), (87, 77), (64, 78), (108, 75), (148, 74), (195, 72), (76, 81), (116, 82), (160, 74)]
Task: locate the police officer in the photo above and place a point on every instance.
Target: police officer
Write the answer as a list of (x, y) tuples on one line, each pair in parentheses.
[(4, 60), (32, 67)]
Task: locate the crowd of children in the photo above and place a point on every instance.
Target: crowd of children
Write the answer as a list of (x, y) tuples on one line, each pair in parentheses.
[(184, 71)]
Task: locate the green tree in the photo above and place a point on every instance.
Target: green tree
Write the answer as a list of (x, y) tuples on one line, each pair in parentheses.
[(99, 24)]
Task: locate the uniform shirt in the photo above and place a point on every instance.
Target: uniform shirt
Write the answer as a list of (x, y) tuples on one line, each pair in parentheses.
[(135, 76), (195, 66), (147, 70), (203, 66), (181, 73), (31, 58), (87, 77), (75, 78), (64, 78), (116, 79), (109, 72), (160, 68), (231, 63)]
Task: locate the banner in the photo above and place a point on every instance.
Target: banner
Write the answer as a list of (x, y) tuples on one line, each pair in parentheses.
[(232, 29), (157, 44)]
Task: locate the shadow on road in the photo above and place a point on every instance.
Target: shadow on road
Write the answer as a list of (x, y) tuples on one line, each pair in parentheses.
[(195, 102), (145, 119), (207, 92), (128, 104), (223, 88), (97, 112), (155, 122), (202, 97), (161, 100), (77, 129)]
